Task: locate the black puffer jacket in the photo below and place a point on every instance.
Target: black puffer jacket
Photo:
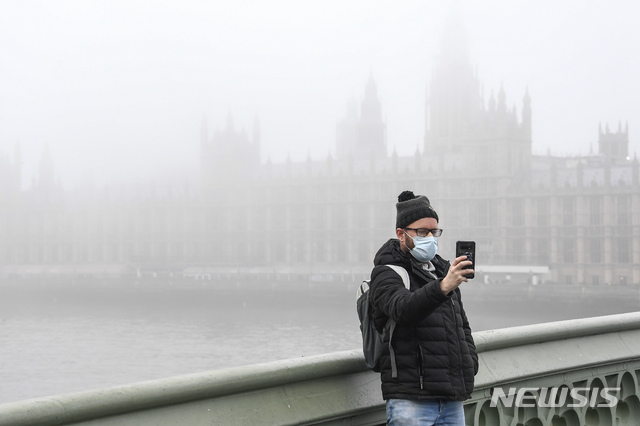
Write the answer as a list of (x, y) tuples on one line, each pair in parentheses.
[(435, 353)]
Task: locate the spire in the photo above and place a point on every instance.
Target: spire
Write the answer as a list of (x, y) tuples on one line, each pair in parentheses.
[(371, 90), (502, 99), (370, 110), (371, 130), (46, 177), (526, 115), (492, 102), (230, 126)]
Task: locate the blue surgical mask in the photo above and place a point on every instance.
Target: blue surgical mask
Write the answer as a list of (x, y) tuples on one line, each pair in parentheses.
[(424, 248)]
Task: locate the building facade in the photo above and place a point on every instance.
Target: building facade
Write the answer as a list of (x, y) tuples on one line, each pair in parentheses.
[(575, 216)]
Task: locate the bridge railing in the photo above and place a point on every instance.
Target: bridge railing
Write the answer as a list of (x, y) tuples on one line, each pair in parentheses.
[(524, 373)]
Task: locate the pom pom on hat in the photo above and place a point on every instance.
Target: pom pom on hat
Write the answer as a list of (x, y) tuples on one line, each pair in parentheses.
[(406, 196)]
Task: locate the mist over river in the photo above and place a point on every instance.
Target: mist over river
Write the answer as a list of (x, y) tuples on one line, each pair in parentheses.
[(61, 338)]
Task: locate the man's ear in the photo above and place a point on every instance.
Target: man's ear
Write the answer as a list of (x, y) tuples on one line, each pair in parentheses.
[(400, 234)]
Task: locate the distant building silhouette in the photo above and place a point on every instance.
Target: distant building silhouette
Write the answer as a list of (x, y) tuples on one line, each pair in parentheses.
[(573, 216), (364, 135)]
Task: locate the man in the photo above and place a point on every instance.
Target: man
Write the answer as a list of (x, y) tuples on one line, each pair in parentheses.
[(435, 355)]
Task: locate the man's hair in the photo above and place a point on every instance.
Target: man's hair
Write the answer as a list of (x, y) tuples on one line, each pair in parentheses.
[(411, 208)]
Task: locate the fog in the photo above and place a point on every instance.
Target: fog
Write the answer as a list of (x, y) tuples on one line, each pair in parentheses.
[(117, 90), (238, 243)]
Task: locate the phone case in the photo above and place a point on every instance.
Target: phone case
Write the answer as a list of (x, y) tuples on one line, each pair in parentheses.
[(467, 248)]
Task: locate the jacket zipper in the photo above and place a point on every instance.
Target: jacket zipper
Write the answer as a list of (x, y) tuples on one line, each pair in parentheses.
[(455, 323), (420, 371)]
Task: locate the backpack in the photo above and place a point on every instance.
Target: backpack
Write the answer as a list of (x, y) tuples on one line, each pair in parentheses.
[(372, 340)]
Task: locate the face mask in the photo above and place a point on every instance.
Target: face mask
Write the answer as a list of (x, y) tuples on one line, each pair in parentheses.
[(425, 248)]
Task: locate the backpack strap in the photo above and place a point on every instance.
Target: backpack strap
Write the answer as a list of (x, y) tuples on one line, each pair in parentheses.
[(364, 287), (391, 324), (403, 274)]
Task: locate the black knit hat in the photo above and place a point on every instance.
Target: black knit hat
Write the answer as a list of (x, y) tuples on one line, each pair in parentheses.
[(411, 208)]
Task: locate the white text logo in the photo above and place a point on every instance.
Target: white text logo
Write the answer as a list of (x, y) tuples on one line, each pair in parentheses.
[(555, 397)]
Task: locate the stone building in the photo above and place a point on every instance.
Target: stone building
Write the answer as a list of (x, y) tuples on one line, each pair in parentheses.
[(573, 220)]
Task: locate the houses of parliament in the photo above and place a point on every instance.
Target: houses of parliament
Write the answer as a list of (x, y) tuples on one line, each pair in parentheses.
[(572, 220)]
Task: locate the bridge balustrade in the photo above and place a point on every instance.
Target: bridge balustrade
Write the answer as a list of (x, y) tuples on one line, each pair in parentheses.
[(542, 362)]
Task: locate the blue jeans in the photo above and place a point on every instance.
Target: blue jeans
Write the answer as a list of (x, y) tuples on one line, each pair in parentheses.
[(431, 412)]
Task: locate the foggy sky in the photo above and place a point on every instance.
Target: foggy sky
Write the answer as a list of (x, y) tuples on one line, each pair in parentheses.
[(118, 89)]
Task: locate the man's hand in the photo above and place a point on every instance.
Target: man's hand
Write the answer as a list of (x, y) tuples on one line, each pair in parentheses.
[(456, 274)]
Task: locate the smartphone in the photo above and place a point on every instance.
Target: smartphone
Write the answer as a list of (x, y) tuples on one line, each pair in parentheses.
[(467, 248)]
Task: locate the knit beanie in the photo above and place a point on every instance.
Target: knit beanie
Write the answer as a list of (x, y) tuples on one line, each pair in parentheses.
[(411, 208)]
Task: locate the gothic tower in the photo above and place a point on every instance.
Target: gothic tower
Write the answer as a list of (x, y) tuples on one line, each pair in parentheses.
[(230, 155), (614, 146), (462, 132), (372, 137), (364, 136), (454, 104)]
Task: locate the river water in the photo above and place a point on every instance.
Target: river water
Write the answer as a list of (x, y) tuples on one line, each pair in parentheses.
[(60, 340)]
